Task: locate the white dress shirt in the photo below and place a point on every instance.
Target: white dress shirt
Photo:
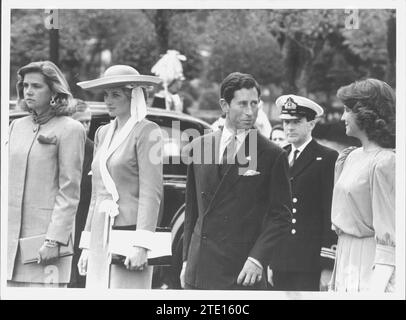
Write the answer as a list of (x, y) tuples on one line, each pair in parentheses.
[(226, 137)]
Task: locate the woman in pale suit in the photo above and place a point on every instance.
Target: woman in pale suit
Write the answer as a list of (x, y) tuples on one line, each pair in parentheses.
[(45, 167), (127, 182), (363, 206)]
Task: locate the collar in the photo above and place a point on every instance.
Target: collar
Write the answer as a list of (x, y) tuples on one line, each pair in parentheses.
[(302, 147), (228, 133), (43, 117)]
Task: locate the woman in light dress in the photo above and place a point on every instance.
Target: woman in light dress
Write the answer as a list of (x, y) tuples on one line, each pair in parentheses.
[(363, 208)]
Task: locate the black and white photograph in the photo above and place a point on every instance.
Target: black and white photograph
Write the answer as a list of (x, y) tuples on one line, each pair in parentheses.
[(203, 150)]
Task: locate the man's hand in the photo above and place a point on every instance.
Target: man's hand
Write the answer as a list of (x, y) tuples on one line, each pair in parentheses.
[(250, 274), (182, 275), (137, 259), (325, 279), (48, 254)]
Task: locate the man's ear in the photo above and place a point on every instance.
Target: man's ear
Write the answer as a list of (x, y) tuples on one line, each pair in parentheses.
[(312, 123), (224, 105)]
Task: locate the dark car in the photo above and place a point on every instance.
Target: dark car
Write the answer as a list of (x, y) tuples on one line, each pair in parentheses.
[(178, 129)]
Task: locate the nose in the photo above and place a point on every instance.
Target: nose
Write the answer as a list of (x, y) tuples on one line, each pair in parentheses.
[(107, 100), (344, 116), (28, 90), (248, 111)]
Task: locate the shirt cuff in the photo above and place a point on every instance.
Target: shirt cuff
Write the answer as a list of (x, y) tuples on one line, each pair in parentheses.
[(328, 253), (255, 261), (385, 255), (84, 240)]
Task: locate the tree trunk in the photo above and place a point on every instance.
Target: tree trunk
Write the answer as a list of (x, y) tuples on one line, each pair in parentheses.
[(161, 23), (390, 76)]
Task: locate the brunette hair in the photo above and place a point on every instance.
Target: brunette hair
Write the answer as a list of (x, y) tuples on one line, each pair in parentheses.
[(373, 102), (236, 81)]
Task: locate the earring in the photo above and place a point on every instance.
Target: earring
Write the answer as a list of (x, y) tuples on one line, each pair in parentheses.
[(52, 102)]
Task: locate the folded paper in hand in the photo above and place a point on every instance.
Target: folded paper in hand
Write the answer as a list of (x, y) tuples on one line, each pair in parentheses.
[(29, 248), (159, 253)]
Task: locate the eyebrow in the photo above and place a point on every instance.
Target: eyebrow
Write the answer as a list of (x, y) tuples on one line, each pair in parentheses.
[(32, 82)]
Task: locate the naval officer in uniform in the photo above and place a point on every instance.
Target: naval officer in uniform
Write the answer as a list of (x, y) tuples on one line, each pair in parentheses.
[(308, 253)]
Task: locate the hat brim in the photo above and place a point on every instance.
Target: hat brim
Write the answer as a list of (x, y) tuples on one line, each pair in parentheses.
[(290, 117), (120, 81)]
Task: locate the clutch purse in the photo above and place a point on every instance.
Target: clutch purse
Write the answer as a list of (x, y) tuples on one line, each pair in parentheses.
[(30, 246), (122, 239)]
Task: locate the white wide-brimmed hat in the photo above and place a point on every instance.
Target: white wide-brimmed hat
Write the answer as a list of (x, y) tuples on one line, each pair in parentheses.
[(294, 107), (120, 75)]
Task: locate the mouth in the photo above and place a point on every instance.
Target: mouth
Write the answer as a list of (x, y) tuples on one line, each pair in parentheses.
[(29, 100)]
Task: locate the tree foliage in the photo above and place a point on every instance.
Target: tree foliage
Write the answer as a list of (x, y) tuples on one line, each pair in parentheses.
[(297, 49)]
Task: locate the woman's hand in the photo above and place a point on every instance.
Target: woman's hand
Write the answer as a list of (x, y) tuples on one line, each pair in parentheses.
[(48, 254), (82, 263), (137, 259)]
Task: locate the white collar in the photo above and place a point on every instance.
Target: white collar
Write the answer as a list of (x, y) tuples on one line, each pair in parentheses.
[(228, 133), (302, 147)]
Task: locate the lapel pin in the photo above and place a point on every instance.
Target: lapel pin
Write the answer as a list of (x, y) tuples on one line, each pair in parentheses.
[(319, 158)]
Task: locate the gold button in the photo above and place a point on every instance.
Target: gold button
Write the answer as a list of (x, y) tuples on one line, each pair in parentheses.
[(293, 231), (294, 200), (294, 210), (293, 220)]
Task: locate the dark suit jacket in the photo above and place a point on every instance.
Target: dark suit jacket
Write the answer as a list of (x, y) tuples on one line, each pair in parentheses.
[(83, 208), (228, 220), (312, 180)]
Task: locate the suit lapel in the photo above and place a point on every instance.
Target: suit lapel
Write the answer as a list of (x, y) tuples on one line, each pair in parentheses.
[(210, 154), (305, 159)]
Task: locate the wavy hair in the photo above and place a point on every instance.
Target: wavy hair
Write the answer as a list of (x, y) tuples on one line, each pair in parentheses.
[(55, 80), (236, 81), (373, 102)]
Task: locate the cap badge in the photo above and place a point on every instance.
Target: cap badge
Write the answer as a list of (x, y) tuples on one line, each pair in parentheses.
[(290, 104)]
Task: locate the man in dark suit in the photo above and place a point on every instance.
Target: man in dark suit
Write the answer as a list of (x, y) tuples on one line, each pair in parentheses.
[(309, 254), (238, 198)]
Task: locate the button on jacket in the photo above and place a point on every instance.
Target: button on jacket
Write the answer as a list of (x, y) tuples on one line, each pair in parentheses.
[(309, 245), (239, 216)]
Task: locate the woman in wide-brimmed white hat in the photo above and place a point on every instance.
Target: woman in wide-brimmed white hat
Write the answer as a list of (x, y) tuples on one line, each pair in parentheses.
[(126, 183)]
